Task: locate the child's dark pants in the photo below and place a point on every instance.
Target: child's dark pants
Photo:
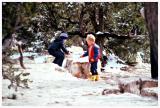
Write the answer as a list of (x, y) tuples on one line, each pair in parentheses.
[(59, 56), (94, 68)]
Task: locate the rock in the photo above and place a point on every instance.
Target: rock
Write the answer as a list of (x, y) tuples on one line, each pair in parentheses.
[(124, 68), (78, 67), (148, 83), (79, 70), (135, 85), (151, 92), (13, 96), (49, 59), (138, 85), (59, 69), (132, 63), (130, 85), (110, 91)]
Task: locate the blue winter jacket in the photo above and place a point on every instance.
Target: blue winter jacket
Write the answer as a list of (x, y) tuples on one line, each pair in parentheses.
[(94, 54), (57, 45)]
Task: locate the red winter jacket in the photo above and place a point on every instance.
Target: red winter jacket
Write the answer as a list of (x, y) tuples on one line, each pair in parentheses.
[(94, 53)]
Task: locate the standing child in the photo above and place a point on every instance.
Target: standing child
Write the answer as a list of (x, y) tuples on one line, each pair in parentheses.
[(94, 54), (56, 48)]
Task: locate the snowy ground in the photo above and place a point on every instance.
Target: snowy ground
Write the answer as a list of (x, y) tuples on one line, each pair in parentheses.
[(53, 88)]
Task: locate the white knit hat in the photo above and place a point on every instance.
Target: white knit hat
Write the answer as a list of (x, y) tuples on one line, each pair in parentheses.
[(64, 35)]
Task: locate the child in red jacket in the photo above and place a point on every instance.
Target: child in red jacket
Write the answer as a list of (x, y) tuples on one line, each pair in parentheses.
[(94, 54)]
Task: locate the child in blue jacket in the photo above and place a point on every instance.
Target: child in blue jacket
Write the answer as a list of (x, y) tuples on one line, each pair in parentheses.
[(94, 54), (56, 48)]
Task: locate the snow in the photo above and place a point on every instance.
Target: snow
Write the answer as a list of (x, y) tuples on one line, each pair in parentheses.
[(112, 64), (99, 32), (154, 89), (37, 57), (51, 87), (40, 59), (81, 60), (76, 53), (16, 55), (142, 12)]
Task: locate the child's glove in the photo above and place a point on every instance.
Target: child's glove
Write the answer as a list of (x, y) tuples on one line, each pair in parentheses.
[(92, 60), (67, 53), (81, 56)]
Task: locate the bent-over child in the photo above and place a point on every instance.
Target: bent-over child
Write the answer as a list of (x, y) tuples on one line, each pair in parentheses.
[(56, 48)]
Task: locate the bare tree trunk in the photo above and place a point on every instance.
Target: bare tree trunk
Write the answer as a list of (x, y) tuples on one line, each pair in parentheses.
[(21, 56), (100, 39), (151, 17), (81, 22), (96, 17)]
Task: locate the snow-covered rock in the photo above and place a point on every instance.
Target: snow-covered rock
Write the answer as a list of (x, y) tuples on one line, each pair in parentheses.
[(78, 67), (150, 92), (112, 64)]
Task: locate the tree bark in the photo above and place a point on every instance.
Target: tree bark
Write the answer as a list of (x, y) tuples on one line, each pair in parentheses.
[(151, 17), (100, 39), (81, 22)]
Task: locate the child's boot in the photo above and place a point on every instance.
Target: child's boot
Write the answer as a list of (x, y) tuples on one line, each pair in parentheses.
[(92, 78), (97, 78)]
